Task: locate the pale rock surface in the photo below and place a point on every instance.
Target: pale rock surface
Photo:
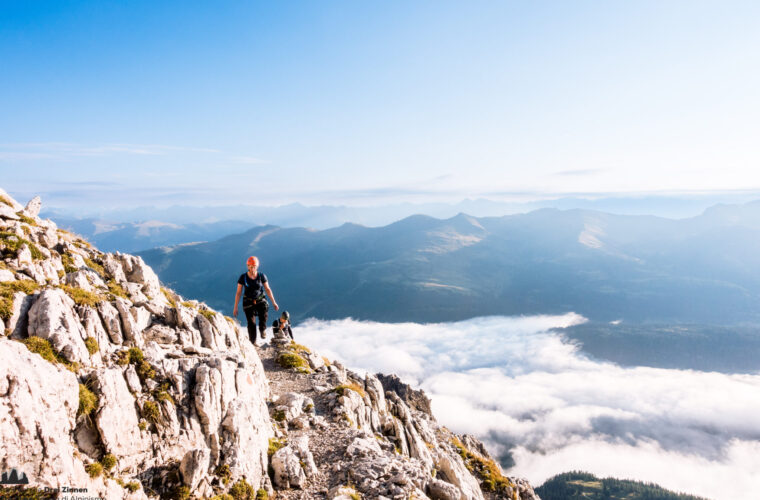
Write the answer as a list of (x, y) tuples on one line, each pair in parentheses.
[(17, 324), (117, 418), (288, 472), (52, 317), (32, 208), (6, 275), (194, 467), (111, 321)]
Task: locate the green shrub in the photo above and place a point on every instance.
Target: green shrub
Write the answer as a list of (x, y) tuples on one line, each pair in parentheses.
[(135, 355), (92, 345), (133, 486), (8, 289), (292, 360), (262, 494), (181, 493), (150, 412), (223, 496), (145, 371), (278, 415), (88, 401), (82, 297), (108, 462), (223, 473), (6, 201), (242, 491), (94, 469), (142, 425)]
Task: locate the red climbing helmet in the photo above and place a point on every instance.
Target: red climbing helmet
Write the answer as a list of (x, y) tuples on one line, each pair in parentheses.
[(252, 261)]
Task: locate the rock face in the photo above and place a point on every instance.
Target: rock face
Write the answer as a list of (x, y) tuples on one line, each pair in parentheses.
[(102, 364)]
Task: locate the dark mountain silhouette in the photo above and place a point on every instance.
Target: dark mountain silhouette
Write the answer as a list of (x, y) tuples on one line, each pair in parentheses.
[(607, 267), (14, 477)]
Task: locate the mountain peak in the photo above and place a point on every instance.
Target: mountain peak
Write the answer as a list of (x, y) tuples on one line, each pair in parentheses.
[(139, 391)]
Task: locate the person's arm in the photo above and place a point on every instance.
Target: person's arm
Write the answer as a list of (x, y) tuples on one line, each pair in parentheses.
[(237, 299), (271, 297)]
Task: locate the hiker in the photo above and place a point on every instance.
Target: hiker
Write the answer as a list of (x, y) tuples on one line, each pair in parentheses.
[(254, 301), (283, 325)]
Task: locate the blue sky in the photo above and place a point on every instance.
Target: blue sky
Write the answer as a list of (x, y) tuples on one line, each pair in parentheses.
[(129, 103)]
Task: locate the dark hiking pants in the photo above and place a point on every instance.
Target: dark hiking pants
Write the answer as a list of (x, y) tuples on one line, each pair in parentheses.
[(251, 309)]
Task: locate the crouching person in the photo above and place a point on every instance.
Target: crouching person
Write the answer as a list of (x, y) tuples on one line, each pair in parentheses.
[(281, 327)]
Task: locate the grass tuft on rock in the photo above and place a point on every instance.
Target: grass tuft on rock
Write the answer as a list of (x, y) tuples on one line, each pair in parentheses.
[(108, 462), (207, 313), (88, 401), (150, 412), (116, 290), (223, 473), (292, 360), (26, 220), (8, 289), (169, 297), (92, 345), (94, 469), (262, 494), (132, 486), (484, 469), (5, 201), (353, 386), (44, 348), (242, 491), (68, 263), (95, 267), (274, 445), (11, 243), (82, 297)]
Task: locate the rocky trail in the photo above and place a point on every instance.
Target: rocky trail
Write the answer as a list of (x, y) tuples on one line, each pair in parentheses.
[(115, 386)]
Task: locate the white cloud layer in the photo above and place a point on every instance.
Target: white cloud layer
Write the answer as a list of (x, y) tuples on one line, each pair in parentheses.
[(531, 394)]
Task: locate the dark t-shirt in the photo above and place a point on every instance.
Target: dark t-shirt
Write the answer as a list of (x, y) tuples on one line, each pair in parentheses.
[(254, 287)]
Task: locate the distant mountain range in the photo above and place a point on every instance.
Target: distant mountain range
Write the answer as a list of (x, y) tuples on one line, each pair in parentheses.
[(129, 237), (704, 269)]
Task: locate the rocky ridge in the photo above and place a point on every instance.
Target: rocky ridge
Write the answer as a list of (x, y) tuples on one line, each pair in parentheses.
[(110, 382)]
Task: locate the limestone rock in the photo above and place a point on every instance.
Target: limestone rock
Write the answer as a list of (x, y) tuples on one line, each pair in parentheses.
[(7, 212), (288, 472), (441, 490), (18, 323), (24, 255), (37, 413), (52, 317), (111, 321), (6, 275), (32, 208), (194, 467), (112, 265), (117, 418)]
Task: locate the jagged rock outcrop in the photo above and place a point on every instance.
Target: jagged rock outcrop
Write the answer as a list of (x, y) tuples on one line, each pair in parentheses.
[(112, 383)]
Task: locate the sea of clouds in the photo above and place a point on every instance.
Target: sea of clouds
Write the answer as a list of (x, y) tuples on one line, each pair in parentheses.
[(531, 395)]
